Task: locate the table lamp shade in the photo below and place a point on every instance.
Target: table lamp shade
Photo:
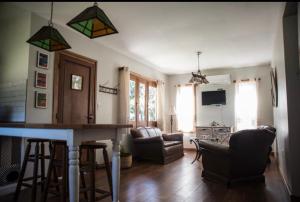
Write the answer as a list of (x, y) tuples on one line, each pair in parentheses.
[(172, 111)]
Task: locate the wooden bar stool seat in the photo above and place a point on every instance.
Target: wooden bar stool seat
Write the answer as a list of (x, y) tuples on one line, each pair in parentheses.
[(39, 155), (88, 165)]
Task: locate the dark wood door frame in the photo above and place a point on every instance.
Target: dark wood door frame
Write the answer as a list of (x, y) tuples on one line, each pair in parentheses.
[(56, 117)]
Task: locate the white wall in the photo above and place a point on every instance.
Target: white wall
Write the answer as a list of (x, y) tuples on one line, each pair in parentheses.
[(286, 115), (14, 51), (13, 62), (225, 114), (108, 62)]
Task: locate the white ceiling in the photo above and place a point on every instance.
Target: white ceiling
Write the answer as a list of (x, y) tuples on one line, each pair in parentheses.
[(166, 35)]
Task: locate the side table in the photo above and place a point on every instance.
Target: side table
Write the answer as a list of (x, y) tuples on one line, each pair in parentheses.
[(198, 153)]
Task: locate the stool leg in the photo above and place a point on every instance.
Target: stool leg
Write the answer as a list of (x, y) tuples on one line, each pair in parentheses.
[(53, 149), (64, 175), (48, 179), (83, 184), (82, 177), (23, 169), (42, 166), (92, 174), (108, 169), (35, 172)]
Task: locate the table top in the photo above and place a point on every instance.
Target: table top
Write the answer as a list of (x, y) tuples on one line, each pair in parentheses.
[(65, 126)]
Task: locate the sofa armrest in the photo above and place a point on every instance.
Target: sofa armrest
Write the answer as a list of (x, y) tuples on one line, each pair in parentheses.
[(148, 140), (214, 148), (173, 137)]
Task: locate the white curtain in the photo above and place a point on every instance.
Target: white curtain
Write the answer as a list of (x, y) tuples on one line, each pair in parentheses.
[(185, 108), (246, 105), (123, 106), (161, 105), (123, 99)]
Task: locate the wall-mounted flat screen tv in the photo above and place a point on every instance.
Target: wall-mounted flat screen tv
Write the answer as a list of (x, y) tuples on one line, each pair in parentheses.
[(214, 97)]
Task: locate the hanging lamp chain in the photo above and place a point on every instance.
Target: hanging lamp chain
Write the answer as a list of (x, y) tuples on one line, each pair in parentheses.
[(51, 14), (198, 53), (95, 3)]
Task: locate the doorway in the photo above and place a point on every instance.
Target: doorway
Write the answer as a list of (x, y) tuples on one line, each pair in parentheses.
[(74, 89)]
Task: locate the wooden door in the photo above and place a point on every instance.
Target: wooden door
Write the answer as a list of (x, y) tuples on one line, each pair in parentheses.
[(75, 79)]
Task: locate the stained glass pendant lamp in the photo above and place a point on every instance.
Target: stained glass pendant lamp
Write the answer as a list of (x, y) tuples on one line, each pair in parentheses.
[(49, 38), (197, 77), (93, 22)]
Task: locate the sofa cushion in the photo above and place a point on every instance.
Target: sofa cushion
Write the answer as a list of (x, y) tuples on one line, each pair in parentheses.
[(158, 131), (151, 131), (139, 132), (173, 150), (171, 143), (267, 127), (135, 133), (143, 132)]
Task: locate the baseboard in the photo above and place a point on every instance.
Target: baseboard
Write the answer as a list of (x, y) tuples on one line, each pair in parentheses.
[(284, 182), (189, 149), (293, 198)]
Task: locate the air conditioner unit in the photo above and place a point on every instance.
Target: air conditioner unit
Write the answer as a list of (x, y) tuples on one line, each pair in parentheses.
[(219, 79)]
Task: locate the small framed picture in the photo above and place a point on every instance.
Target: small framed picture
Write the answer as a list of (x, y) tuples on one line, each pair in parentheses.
[(40, 100), (42, 60), (40, 80), (76, 82)]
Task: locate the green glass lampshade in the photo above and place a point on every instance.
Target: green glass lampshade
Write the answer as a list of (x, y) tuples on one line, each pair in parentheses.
[(49, 38), (93, 22)]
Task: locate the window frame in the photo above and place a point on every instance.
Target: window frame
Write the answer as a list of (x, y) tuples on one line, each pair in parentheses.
[(148, 82)]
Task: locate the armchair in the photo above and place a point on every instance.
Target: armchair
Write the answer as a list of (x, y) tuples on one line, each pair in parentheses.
[(150, 144), (245, 158)]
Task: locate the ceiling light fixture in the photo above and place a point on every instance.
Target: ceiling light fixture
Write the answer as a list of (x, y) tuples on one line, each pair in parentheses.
[(93, 22), (49, 38), (197, 77)]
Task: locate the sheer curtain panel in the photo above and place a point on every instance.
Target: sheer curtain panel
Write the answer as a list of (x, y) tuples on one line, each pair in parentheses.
[(161, 105), (185, 108)]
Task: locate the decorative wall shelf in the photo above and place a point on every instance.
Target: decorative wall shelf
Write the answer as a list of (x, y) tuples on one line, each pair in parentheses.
[(109, 90)]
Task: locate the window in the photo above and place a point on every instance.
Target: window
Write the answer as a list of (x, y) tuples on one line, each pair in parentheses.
[(246, 106), (142, 101), (185, 108)]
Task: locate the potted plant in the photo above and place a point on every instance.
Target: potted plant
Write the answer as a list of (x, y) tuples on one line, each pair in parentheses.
[(126, 158)]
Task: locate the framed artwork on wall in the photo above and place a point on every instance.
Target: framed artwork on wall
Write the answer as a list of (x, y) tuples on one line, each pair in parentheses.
[(40, 80), (42, 60), (40, 100), (76, 82), (274, 87)]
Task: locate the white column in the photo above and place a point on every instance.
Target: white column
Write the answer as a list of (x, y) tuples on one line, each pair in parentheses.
[(116, 166), (74, 173)]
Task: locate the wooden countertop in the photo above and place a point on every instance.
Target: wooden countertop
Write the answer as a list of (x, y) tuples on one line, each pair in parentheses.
[(64, 126)]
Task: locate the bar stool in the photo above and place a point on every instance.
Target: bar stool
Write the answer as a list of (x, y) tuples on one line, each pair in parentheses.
[(33, 158), (89, 166), (58, 165)]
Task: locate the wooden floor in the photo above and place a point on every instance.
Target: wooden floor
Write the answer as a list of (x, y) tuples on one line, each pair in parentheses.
[(182, 181)]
